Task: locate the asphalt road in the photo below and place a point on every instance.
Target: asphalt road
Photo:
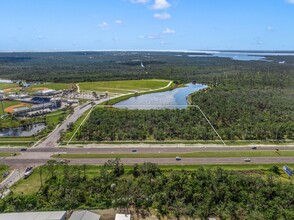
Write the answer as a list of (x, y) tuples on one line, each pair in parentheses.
[(52, 139)]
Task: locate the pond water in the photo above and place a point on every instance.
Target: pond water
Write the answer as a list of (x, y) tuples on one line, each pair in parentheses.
[(24, 131), (173, 99)]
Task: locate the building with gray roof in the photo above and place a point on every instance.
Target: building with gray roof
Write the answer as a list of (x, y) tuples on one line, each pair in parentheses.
[(59, 215), (84, 215)]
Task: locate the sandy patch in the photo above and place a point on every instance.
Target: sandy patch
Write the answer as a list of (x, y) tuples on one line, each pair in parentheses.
[(11, 89), (10, 109)]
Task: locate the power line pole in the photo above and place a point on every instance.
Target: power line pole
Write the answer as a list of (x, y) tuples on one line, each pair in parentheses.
[(211, 125)]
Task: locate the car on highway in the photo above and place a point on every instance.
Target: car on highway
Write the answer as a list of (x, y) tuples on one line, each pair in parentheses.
[(247, 160), (254, 148), (178, 158), (134, 150), (28, 172), (23, 149)]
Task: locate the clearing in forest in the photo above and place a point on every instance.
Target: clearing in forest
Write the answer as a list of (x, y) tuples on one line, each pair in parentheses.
[(55, 86), (124, 87)]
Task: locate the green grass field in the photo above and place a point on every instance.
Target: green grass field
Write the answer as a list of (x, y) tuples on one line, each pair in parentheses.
[(7, 85), (123, 87), (56, 86), (33, 183), (200, 154), (3, 168), (8, 104)]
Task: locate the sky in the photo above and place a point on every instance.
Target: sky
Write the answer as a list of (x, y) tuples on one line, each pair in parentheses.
[(60, 25)]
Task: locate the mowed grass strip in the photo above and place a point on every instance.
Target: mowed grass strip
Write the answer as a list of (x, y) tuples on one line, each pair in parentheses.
[(125, 86), (200, 154), (8, 154)]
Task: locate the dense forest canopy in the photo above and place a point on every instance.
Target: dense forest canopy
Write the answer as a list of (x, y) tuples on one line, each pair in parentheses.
[(96, 66), (201, 193)]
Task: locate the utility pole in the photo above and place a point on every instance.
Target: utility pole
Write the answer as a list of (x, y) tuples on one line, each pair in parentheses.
[(211, 125)]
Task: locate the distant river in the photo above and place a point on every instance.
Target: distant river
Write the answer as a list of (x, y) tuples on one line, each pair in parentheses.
[(174, 99)]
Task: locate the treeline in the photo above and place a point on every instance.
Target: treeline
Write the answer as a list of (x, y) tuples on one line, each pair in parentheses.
[(201, 193), (72, 67)]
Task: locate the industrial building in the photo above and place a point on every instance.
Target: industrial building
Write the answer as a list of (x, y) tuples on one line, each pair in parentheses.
[(122, 217), (84, 215), (47, 92), (59, 215)]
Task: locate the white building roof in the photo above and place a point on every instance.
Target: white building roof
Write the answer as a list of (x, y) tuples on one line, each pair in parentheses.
[(21, 109), (45, 91), (122, 217), (60, 215), (84, 215)]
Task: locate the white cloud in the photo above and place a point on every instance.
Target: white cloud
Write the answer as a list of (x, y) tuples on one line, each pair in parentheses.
[(169, 31), (103, 26), (162, 16), (141, 37), (160, 4), (118, 21), (270, 28), (155, 36), (139, 1), (290, 1), (40, 37)]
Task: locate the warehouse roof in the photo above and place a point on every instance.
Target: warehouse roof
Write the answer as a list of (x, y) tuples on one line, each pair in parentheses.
[(59, 215), (122, 217), (84, 215)]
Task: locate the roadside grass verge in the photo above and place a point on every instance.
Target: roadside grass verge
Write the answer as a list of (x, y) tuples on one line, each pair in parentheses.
[(8, 154), (188, 142), (3, 169), (200, 154), (78, 122), (17, 141)]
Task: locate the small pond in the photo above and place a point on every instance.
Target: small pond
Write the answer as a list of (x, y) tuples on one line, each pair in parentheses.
[(23, 131), (173, 99)]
